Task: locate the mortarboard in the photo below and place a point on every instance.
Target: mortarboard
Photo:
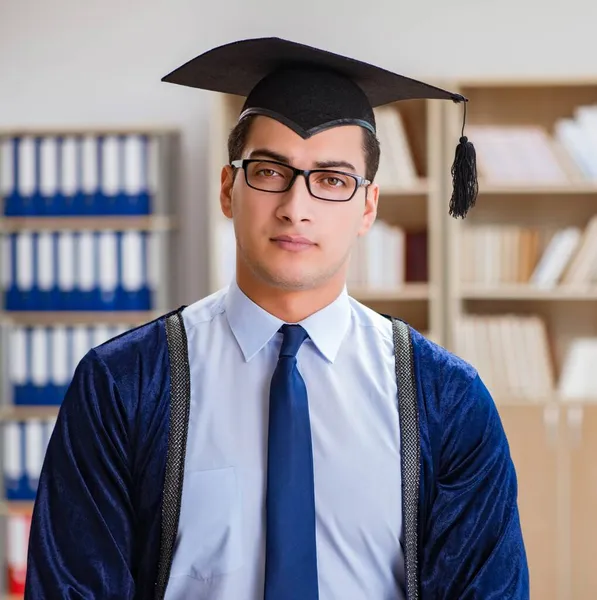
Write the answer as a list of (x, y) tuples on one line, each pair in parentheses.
[(309, 90)]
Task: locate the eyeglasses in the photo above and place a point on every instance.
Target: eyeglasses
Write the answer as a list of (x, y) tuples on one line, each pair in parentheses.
[(275, 177)]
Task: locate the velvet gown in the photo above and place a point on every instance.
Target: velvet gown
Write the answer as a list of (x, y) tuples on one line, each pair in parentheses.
[(97, 519)]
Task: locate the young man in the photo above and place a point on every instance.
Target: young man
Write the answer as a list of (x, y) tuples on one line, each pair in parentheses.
[(277, 440)]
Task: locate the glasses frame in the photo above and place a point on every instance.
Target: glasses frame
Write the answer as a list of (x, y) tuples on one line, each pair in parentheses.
[(242, 163)]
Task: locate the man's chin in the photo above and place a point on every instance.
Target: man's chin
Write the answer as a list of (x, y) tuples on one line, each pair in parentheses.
[(296, 284), (290, 279)]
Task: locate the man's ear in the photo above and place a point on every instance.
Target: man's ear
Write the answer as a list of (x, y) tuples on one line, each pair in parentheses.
[(370, 209), (226, 183)]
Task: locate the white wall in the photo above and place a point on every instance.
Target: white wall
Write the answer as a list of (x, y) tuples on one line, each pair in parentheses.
[(73, 62)]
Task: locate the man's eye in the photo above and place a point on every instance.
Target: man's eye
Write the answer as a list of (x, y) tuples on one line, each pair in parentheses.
[(331, 181)]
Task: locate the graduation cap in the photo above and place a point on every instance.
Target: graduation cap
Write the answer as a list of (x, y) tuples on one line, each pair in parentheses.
[(310, 90)]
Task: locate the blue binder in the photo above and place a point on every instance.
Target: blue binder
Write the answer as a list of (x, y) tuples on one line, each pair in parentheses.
[(15, 483), (12, 297), (22, 201)]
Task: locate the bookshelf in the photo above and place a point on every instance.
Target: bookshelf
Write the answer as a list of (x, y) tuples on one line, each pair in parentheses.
[(516, 322), (482, 296), (88, 231), (408, 242), (521, 305)]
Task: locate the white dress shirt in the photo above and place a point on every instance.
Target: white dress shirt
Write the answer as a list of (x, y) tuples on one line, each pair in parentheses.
[(348, 367)]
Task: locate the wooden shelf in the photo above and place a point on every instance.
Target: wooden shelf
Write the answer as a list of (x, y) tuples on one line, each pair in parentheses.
[(524, 82), (526, 292), (532, 189), (514, 333), (551, 401), (411, 291), (22, 413), (91, 222), (410, 211), (79, 317), (421, 188), (16, 508), (91, 129)]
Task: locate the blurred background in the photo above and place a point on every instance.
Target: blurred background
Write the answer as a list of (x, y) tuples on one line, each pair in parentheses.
[(110, 180)]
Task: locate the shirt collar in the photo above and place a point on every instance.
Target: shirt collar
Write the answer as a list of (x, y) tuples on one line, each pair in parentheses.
[(253, 327)]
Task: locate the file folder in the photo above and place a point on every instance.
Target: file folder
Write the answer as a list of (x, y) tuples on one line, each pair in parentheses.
[(14, 468), (108, 270), (46, 288), (59, 365), (35, 451), (7, 175), (66, 297), (17, 541)]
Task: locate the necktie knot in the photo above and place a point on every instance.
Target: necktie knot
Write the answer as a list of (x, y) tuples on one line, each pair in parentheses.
[(294, 336)]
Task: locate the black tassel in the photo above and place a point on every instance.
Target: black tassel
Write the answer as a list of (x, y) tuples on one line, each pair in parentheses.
[(464, 176)]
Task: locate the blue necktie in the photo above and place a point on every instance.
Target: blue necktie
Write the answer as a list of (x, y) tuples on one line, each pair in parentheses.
[(291, 554)]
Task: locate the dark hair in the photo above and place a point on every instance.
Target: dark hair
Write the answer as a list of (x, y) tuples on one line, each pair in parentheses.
[(238, 139)]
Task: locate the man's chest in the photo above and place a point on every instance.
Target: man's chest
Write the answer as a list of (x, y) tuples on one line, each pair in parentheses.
[(355, 438), (357, 476)]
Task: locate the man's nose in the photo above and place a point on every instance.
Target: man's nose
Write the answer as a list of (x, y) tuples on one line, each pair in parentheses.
[(297, 202)]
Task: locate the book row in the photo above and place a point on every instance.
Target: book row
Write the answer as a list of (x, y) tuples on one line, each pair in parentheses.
[(531, 154), (397, 168), (388, 257), (25, 444), (497, 254), (79, 175), (80, 270), (513, 355), (42, 360)]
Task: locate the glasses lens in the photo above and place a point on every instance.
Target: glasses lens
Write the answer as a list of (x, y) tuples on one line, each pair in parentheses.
[(269, 177), (327, 185), (331, 185)]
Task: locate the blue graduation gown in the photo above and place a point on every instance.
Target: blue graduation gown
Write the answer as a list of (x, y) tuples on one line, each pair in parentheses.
[(97, 518)]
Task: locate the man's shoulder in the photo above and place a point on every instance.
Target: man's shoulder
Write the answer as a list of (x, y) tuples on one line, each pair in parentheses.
[(205, 310), (124, 373), (445, 378), (365, 317), (432, 360), (140, 346), (433, 355), (149, 340)]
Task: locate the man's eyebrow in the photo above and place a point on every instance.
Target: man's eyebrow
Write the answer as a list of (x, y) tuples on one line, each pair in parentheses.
[(334, 164), (322, 164), (266, 153)]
